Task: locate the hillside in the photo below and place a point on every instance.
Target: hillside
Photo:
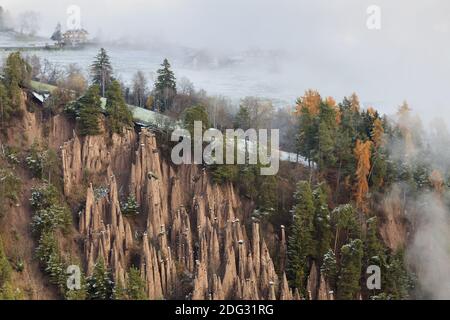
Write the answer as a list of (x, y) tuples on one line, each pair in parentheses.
[(85, 187)]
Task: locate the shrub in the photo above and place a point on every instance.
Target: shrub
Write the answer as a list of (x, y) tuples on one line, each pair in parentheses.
[(130, 207), (43, 197), (10, 186), (49, 219)]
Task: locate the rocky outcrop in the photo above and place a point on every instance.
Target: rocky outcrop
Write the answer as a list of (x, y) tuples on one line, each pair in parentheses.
[(193, 243)]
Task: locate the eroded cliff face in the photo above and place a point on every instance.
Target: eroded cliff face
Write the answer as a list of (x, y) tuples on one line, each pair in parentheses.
[(191, 239)]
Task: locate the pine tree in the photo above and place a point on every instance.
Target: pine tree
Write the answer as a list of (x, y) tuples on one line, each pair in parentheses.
[(90, 111), (5, 267), (322, 224), (346, 224), (348, 285), (100, 285), (17, 75), (326, 138), (268, 194), (397, 282), (6, 109), (374, 248), (307, 134), (329, 268), (119, 116), (130, 207), (135, 285), (57, 34), (102, 71), (242, 119), (196, 113), (308, 108), (165, 87), (301, 244)]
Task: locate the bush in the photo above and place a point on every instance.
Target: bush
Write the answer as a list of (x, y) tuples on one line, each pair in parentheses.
[(49, 219), (44, 197), (10, 186), (130, 207), (48, 255), (42, 161)]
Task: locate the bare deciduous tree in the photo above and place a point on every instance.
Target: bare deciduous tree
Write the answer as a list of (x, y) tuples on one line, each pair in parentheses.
[(140, 89)]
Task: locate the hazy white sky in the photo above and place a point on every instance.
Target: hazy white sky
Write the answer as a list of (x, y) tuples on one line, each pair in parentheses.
[(407, 59)]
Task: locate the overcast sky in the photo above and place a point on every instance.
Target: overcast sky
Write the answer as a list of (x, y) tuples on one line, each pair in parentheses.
[(407, 59)]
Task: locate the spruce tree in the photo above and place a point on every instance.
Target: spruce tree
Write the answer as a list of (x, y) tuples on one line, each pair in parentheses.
[(135, 285), (193, 114), (268, 194), (6, 109), (345, 221), (102, 71), (307, 134), (130, 207), (100, 285), (90, 111), (329, 268), (374, 249), (242, 119), (17, 75), (301, 244), (165, 87), (119, 116), (57, 34), (348, 285), (325, 145), (322, 224)]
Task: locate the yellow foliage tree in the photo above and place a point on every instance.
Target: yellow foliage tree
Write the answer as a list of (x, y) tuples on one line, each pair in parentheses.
[(332, 103), (377, 133), (311, 100), (354, 102), (362, 154)]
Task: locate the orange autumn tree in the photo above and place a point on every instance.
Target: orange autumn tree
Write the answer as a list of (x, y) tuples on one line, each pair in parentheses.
[(332, 103), (377, 133), (311, 101), (354, 102), (362, 154)]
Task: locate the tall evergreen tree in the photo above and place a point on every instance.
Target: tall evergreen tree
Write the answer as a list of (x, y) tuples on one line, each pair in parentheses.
[(100, 285), (17, 74), (268, 193), (57, 34), (348, 285), (90, 111), (165, 87), (242, 119), (196, 113), (119, 116), (301, 244), (135, 285), (102, 71), (326, 137), (6, 109), (322, 224)]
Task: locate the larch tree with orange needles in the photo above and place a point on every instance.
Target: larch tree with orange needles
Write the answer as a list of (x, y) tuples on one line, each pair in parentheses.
[(362, 154), (311, 101), (377, 133)]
